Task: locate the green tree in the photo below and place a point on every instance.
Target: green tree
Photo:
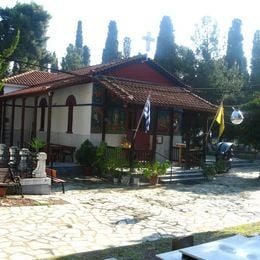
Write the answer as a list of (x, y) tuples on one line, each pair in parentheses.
[(226, 81), (32, 22), (110, 52), (165, 53), (206, 39), (86, 56), (73, 58), (248, 129), (126, 48), (79, 37), (255, 62), (235, 53), (76, 56), (186, 64), (213, 78), (5, 54), (54, 63)]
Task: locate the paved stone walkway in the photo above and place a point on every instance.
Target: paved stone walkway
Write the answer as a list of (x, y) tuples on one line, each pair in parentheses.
[(103, 217)]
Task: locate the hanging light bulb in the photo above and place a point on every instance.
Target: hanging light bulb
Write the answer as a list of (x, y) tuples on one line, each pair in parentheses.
[(236, 117)]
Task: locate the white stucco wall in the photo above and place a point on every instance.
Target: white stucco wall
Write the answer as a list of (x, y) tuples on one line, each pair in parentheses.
[(81, 116)]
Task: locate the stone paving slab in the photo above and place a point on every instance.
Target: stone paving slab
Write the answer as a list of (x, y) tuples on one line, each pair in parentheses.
[(98, 218)]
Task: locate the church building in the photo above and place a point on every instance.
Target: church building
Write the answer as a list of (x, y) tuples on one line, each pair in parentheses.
[(104, 103)]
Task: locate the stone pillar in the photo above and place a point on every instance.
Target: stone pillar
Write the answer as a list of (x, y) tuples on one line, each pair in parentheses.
[(14, 154), (40, 170), (14, 159), (23, 164), (4, 156)]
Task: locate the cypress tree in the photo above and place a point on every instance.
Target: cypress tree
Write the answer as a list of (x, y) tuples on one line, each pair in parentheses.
[(165, 53), (77, 56), (235, 54), (255, 62), (126, 47), (86, 56), (110, 52), (54, 63), (79, 37)]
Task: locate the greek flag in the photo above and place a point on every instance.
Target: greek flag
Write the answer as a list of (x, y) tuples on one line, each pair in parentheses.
[(146, 113)]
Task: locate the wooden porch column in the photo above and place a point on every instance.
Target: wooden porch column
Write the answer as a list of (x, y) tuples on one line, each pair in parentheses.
[(155, 122), (22, 123), (12, 123), (188, 136), (171, 134), (104, 120), (1, 119), (3, 123), (34, 124), (48, 138), (204, 141)]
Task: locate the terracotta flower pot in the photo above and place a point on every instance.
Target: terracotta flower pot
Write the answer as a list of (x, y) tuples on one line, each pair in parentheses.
[(87, 170), (3, 191), (153, 180)]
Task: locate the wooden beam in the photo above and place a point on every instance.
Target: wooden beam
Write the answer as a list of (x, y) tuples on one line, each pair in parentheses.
[(155, 123), (104, 118), (22, 123), (12, 123), (171, 134), (34, 124), (48, 137), (204, 141), (3, 123)]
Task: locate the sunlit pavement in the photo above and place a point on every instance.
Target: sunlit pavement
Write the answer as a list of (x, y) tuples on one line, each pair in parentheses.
[(105, 216)]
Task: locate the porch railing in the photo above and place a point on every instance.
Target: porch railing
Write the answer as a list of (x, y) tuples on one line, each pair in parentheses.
[(180, 155), (138, 155)]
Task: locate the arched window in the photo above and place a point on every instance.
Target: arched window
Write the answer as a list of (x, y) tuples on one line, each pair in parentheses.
[(43, 105), (70, 102)]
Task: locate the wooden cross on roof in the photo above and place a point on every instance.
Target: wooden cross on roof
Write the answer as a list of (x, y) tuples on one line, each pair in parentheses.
[(148, 39)]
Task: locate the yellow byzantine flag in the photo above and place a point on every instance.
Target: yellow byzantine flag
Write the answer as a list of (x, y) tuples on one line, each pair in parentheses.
[(220, 119)]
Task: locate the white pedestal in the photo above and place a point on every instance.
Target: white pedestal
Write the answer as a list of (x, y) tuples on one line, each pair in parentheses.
[(36, 186)]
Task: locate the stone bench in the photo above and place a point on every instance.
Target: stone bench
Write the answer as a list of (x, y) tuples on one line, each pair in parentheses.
[(51, 173)]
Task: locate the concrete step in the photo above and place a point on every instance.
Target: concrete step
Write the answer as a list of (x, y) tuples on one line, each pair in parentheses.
[(183, 176)]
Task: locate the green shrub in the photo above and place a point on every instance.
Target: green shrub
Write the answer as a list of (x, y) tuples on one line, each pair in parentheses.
[(155, 168), (209, 170), (86, 154)]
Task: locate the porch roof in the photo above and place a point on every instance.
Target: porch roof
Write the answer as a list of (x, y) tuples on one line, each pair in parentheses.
[(136, 92), (45, 88)]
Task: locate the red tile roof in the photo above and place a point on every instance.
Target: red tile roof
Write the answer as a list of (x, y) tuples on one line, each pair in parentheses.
[(34, 78), (136, 92), (41, 89), (30, 78), (130, 91)]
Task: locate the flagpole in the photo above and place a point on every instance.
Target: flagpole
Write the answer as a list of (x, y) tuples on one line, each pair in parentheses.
[(134, 135), (138, 125), (213, 121), (140, 119)]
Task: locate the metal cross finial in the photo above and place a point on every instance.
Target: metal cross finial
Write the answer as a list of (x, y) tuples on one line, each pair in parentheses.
[(148, 39)]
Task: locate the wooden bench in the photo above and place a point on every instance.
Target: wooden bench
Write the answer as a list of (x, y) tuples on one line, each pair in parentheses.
[(53, 175), (7, 179)]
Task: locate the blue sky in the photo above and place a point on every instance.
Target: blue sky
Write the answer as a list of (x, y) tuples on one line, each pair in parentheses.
[(135, 18)]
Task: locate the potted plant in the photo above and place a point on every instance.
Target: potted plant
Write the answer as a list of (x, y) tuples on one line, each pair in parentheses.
[(37, 144), (116, 164), (209, 170), (85, 156), (154, 169), (100, 163)]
